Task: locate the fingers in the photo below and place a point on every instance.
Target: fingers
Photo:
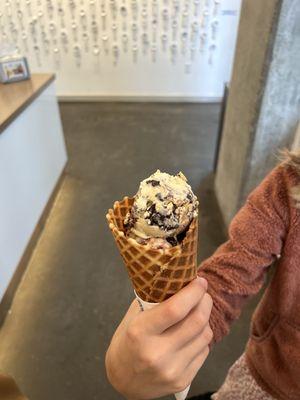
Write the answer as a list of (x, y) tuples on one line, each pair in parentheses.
[(176, 308), (193, 368), (197, 351), (183, 380), (178, 378), (195, 347), (192, 325), (186, 356)]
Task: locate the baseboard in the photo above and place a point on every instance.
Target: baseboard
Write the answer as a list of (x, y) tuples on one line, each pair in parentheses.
[(138, 99), (8, 296)]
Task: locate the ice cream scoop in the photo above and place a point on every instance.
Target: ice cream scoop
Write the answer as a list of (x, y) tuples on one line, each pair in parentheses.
[(163, 208)]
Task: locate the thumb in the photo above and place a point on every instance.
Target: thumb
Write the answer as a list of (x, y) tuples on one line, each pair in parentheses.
[(176, 308), (133, 310)]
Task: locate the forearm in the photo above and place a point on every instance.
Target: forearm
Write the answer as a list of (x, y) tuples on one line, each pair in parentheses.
[(236, 271), (232, 279)]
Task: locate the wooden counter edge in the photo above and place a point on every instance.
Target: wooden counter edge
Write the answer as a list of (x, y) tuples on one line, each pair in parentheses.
[(26, 103)]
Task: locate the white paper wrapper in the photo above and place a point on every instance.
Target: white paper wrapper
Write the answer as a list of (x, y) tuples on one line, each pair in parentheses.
[(145, 305)]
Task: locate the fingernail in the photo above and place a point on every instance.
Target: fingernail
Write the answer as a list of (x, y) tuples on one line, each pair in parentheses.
[(203, 282)]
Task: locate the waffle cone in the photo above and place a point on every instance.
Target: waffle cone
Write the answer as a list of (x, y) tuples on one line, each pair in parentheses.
[(155, 274)]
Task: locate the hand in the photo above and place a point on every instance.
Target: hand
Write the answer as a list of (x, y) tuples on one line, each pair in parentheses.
[(159, 351)]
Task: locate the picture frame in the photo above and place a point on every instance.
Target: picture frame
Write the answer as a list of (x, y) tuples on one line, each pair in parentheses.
[(14, 70)]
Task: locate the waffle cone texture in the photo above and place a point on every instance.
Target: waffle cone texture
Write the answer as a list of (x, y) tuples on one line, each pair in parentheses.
[(156, 274)]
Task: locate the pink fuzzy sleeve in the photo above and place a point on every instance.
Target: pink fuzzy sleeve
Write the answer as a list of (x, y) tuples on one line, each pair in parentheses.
[(237, 269)]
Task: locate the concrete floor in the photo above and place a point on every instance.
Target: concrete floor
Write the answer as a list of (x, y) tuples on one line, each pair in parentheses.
[(76, 290)]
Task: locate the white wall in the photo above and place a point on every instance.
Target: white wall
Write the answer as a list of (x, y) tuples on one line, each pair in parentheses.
[(195, 71), (32, 157)]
